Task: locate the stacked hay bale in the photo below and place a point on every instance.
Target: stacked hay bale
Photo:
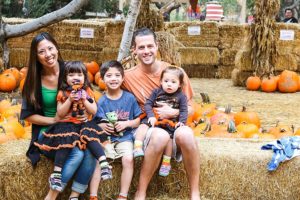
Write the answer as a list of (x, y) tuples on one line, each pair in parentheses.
[(232, 36), (102, 47), (229, 169), (288, 55), (199, 55)]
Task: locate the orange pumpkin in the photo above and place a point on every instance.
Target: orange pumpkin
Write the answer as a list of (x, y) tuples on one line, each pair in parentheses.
[(4, 104), (92, 67), (247, 129), (7, 82), (90, 77), (24, 71), (253, 83), (297, 132), (15, 72), (97, 77), (269, 84), (98, 95), (12, 128), (280, 131), (288, 81), (101, 84), (21, 85), (246, 116)]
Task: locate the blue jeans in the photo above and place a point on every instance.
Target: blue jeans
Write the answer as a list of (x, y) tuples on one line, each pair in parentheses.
[(80, 164)]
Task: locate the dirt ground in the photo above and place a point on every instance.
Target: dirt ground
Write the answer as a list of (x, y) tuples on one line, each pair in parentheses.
[(269, 106)]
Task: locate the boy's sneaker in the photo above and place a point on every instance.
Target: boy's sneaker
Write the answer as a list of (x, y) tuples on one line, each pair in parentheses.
[(55, 182), (138, 152), (164, 170), (106, 173)]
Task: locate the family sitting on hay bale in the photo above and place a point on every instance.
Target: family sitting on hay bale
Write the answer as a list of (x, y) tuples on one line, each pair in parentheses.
[(75, 141)]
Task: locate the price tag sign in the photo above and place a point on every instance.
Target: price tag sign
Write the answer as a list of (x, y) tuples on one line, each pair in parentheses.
[(194, 30), (287, 35), (86, 33)]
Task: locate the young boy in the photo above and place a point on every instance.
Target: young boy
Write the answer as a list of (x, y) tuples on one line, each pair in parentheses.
[(120, 112)]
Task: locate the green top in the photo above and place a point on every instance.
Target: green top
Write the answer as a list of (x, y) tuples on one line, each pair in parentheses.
[(49, 103)]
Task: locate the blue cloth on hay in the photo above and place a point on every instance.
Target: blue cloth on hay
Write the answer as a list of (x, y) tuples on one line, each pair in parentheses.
[(284, 149)]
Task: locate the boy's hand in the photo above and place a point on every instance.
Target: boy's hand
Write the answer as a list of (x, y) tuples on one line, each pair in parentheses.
[(107, 127), (152, 121), (121, 125)]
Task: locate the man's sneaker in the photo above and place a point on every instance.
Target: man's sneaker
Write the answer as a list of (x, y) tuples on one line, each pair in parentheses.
[(164, 170), (138, 152), (55, 182)]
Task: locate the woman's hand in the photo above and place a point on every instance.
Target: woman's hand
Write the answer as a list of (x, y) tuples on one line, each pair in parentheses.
[(152, 121), (164, 111), (107, 127)]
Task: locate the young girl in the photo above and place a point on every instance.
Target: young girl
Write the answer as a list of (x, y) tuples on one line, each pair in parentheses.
[(75, 107), (169, 93)]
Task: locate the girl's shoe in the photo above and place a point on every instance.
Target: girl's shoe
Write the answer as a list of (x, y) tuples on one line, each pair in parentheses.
[(164, 170), (93, 198)]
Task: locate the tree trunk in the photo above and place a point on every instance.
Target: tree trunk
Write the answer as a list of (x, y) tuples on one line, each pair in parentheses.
[(133, 12), (242, 16), (9, 31)]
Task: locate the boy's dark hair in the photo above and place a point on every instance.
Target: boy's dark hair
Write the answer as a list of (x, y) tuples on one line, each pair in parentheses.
[(142, 32), (176, 70), (111, 64), (289, 10), (74, 67)]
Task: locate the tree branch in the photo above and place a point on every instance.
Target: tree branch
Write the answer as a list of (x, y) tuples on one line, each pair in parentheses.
[(296, 3), (17, 30)]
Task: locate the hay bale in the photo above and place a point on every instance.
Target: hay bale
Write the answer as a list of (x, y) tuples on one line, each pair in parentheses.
[(209, 34), (286, 62), (239, 77), (228, 56), (233, 36), (24, 182), (229, 169), (200, 71), (199, 56), (243, 61), (224, 71)]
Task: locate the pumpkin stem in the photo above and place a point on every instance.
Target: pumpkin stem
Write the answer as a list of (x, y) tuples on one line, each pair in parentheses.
[(228, 109), (205, 98), (293, 128), (244, 108), (3, 130), (231, 127)]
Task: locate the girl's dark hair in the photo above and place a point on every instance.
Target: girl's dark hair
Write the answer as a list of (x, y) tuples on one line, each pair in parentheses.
[(74, 67), (142, 32), (111, 64), (175, 70), (32, 86)]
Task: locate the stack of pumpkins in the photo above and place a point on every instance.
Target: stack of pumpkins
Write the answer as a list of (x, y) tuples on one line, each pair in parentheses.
[(12, 78), (10, 126), (209, 121), (286, 82)]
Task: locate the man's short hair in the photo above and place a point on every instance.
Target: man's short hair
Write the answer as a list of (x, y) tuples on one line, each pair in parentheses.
[(288, 9), (142, 32)]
